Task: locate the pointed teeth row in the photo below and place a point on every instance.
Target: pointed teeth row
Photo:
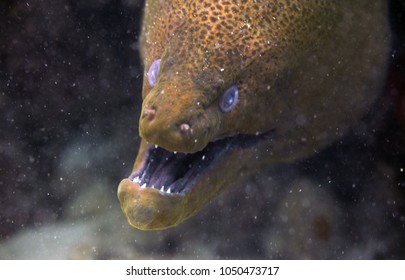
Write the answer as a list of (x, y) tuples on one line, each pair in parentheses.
[(137, 180), (162, 189)]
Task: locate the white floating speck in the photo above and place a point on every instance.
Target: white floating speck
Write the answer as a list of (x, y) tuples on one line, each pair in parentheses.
[(143, 186), (174, 152), (203, 157)]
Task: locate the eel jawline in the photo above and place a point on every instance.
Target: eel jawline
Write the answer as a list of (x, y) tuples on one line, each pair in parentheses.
[(165, 188)]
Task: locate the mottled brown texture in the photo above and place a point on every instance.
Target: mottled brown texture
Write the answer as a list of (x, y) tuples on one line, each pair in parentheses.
[(269, 49), (299, 73)]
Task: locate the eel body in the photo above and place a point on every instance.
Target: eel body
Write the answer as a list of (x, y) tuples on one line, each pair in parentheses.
[(231, 86)]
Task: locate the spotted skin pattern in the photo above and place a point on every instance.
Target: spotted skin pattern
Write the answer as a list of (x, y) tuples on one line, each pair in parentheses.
[(216, 43), (305, 71)]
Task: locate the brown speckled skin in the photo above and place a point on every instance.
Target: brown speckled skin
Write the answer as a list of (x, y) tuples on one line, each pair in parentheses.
[(306, 70)]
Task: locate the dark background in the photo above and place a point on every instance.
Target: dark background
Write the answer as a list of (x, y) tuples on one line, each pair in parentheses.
[(70, 94), (67, 70)]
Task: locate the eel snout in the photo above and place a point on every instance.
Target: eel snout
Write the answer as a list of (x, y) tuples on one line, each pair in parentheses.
[(176, 120)]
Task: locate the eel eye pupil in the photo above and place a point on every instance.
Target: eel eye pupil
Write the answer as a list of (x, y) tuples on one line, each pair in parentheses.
[(229, 99), (153, 72)]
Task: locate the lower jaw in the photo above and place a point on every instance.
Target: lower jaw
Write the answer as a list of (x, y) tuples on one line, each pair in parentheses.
[(148, 209)]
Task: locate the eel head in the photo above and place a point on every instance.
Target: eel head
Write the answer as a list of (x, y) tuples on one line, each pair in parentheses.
[(231, 86), (191, 148)]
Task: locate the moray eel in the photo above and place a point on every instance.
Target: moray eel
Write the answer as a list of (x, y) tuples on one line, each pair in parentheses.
[(232, 86)]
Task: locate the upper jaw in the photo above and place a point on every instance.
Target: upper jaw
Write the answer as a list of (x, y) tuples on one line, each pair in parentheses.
[(178, 118)]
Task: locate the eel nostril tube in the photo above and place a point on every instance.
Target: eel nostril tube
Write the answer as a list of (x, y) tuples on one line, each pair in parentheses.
[(149, 114), (184, 127)]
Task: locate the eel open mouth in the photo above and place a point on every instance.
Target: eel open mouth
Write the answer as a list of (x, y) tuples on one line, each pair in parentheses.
[(167, 187), (172, 172)]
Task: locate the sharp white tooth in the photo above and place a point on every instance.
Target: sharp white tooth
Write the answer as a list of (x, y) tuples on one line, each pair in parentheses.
[(136, 179), (169, 191), (156, 146), (162, 189), (143, 186)]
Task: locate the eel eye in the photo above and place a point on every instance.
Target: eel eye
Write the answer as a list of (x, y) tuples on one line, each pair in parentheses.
[(229, 99), (153, 72)]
